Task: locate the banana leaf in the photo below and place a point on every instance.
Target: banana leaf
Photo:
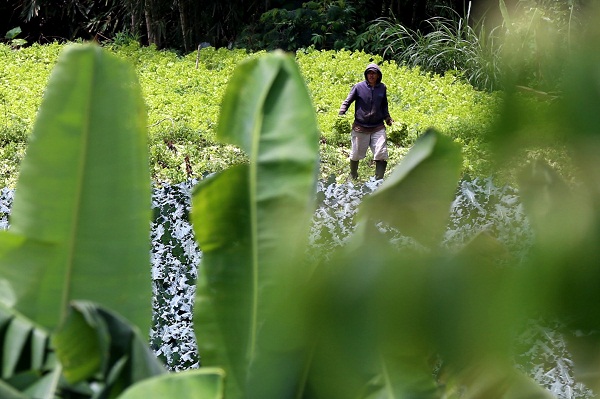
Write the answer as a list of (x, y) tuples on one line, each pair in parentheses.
[(81, 210), (24, 349), (416, 197), (251, 223), (96, 342), (8, 392), (389, 317)]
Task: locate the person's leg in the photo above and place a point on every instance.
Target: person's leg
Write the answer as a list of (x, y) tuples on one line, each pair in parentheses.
[(360, 143), (380, 167), (380, 153), (354, 169)]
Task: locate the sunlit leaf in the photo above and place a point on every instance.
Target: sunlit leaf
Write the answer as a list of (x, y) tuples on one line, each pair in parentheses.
[(8, 392), (95, 341), (82, 344), (82, 203), (254, 244)]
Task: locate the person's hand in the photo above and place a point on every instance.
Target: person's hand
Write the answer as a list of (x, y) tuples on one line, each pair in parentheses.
[(389, 121)]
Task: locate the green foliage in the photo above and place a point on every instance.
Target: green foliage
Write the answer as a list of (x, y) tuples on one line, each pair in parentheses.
[(183, 96), (281, 326), (448, 44), (183, 105), (75, 259), (125, 38), (534, 35), (398, 134), (417, 102), (340, 131), (24, 74), (55, 204), (436, 157), (237, 217), (373, 319), (205, 383), (182, 25), (96, 351), (324, 24), (520, 50)]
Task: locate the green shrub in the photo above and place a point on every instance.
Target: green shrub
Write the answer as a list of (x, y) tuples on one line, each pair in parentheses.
[(322, 24)]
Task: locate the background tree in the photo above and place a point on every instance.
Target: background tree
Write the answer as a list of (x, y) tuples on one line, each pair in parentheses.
[(183, 24)]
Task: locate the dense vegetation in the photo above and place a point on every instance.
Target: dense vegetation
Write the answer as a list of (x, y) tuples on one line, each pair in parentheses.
[(476, 39), (507, 262), (184, 24), (426, 69), (274, 318), (183, 96)]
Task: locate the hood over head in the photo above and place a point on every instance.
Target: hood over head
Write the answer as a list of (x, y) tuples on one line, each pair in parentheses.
[(374, 67)]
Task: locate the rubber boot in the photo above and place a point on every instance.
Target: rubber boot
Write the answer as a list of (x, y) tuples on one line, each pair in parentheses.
[(380, 169), (354, 169)]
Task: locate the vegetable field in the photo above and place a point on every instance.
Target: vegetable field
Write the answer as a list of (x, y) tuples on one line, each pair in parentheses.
[(183, 96)]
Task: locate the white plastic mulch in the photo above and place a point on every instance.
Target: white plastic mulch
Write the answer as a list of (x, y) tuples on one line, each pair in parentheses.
[(479, 205)]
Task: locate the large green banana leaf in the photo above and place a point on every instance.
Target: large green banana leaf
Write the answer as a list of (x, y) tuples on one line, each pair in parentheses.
[(251, 223), (80, 217)]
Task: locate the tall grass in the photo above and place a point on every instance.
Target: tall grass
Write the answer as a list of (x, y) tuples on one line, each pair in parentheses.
[(447, 44), (517, 51)]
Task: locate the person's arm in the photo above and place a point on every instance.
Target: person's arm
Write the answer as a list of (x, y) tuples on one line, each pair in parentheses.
[(384, 108), (349, 100)]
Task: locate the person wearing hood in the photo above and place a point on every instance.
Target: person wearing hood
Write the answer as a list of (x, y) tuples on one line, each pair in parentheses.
[(370, 113)]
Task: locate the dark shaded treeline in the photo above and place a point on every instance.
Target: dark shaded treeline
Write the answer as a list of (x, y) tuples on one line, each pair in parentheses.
[(183, 24)]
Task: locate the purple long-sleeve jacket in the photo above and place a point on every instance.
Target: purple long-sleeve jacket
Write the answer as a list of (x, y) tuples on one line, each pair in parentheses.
[(371, 104)]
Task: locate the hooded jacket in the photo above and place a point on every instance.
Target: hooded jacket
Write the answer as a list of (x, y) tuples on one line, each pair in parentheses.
[(371, 104)]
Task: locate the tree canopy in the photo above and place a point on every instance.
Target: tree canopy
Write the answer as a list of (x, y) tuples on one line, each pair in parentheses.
[(184, 24)]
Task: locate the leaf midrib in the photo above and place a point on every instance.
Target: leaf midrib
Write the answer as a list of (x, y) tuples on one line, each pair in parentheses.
[(71, 244), (253, 176)]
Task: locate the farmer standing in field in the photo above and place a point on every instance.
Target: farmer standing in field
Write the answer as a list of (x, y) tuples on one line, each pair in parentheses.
[(370, 113)]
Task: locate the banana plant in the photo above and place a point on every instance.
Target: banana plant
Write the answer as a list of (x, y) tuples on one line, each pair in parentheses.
[(79, 223), (252, 223), (76, 294)]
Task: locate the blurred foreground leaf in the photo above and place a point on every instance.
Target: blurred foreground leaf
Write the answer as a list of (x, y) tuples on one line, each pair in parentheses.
[(205, 383), (93, 340), (416, 197)]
